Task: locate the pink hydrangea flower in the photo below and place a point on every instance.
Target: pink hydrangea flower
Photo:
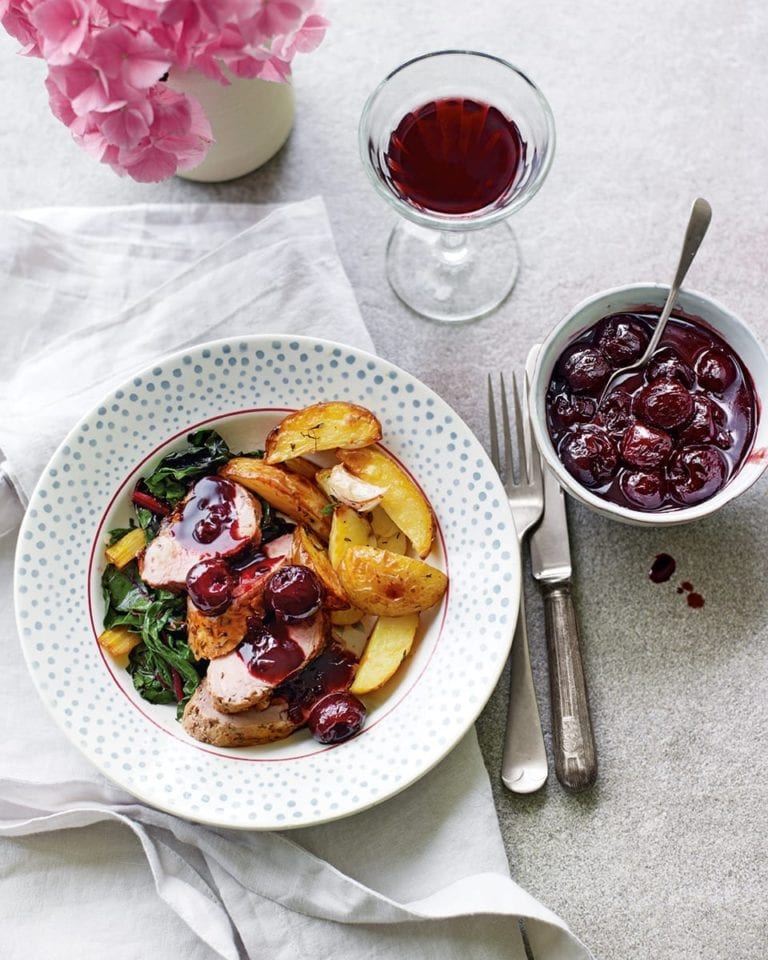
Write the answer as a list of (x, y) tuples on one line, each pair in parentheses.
[(107, 60)]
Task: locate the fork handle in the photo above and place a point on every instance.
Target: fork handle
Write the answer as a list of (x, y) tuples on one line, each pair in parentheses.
[(572, 736), (524, 765)]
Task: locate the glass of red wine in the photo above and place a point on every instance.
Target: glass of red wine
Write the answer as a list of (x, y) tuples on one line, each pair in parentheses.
[(456, 141)]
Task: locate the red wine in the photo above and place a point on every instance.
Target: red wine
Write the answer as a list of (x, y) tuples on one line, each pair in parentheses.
[(454, 155)]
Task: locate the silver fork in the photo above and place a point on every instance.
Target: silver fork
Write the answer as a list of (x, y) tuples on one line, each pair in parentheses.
[(524, 766)]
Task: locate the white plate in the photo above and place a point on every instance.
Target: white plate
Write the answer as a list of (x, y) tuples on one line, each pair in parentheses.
[(242, 388)]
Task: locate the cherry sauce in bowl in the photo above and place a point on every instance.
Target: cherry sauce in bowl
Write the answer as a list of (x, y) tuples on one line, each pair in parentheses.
[(671, 441)]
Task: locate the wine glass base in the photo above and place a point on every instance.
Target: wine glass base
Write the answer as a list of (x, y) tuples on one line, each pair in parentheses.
[(452, 276)]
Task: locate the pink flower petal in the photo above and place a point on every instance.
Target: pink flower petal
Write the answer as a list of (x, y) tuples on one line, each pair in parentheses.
[(63, 25), (124, 127), (148, 165)]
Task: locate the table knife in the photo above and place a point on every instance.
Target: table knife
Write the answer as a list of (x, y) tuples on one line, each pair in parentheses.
[(572, 734)]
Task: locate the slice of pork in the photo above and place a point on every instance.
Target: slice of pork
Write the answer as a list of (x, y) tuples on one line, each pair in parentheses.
[(234, 687), (205, 723), (215, 636), (223, 505)]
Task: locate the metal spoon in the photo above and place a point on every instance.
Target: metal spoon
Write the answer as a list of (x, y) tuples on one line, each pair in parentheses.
[(701, 214)]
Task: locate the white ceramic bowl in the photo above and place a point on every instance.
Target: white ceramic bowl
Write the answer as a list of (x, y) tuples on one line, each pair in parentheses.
[(634, 298)]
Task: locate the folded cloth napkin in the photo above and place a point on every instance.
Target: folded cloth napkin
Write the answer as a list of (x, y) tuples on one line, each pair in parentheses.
[(87, 297)]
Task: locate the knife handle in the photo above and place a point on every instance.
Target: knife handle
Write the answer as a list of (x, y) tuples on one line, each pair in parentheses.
[(572, 736)]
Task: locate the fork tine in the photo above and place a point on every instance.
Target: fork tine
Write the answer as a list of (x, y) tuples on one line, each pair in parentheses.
[(508, 454), (495, 459), (532, 459), (521, 439)]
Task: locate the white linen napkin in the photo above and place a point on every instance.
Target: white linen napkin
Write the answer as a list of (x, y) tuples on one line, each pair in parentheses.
[(86, 297)]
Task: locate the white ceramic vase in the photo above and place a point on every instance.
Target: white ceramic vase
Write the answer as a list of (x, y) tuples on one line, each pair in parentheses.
[(250, 119)]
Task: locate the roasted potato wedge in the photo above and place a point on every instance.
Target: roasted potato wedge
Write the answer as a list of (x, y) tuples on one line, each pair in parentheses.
[(308, 551), (402, 501), (302, 466), (348, 529), (345, 618), (291, 494), (387, 533), (389, 644), (388, 584), (321, 426)]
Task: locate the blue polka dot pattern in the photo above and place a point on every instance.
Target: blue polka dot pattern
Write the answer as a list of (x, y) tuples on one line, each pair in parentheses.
[(242, 388)]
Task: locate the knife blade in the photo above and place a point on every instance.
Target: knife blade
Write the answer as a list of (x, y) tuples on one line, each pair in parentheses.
[(572, 733)]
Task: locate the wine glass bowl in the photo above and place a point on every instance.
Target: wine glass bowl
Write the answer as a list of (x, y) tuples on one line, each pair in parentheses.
[(456, 141)]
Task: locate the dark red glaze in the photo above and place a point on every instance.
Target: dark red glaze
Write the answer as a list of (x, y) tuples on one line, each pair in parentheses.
[(211, 585), (209, 518), (662, 568), (454, 155), (294, 593), (667, 436), (269, 652), (331, 672), (336, 717)]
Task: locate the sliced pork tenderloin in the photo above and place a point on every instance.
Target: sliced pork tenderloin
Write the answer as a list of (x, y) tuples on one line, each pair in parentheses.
[(205, 723), (270, 654), (218, 518)]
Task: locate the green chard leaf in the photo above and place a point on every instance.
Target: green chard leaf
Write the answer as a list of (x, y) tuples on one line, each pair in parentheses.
[(171, 479), (162, 667)]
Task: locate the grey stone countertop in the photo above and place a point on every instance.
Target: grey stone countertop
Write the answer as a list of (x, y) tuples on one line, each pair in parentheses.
[(655, 103)]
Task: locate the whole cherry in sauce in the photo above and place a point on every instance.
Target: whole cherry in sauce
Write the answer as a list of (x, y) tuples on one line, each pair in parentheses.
[(336, 717), (210, 585), (590, 455), (293, 593), (621, 339), (669, 435)]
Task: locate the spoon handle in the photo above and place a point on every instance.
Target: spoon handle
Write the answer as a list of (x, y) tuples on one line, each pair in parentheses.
[(698, 222)]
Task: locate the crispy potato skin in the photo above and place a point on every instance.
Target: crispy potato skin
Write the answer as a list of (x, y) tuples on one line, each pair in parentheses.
[(403, 502), (321, 426), (308, 551), (290, 493), (388, 584)]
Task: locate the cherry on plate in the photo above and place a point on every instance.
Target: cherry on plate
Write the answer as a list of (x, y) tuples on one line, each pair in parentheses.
[(666, 364), (293, 593), (664, 403), (210, 585), (336, 717), (645, 489), (589, 455), (715, 370), (585, 369), (697, 473), (622, 339), (645, 447)]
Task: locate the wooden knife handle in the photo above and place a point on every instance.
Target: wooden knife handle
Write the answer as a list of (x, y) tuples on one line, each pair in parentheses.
[(573, 739)]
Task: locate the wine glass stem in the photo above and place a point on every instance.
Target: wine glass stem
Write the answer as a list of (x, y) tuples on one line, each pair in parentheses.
[(453, 246)]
